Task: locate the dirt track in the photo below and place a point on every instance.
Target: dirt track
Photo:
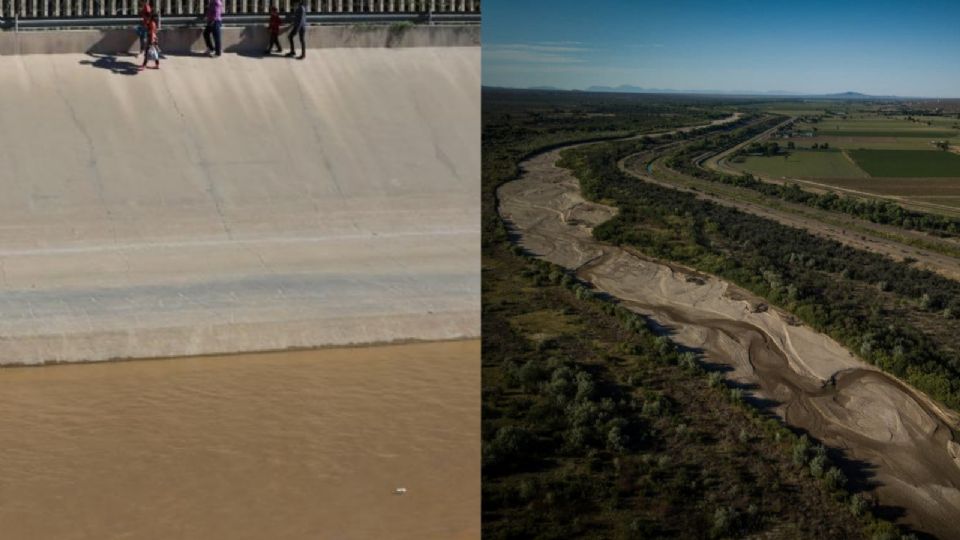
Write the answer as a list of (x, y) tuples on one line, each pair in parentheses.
[(902, 437)]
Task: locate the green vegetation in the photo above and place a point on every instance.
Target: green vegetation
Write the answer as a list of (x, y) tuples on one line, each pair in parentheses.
[(595, 427), (829, 286), (874, 210), (802, 163), (517, 124), (908, 163), (872, 125), (870, 143)]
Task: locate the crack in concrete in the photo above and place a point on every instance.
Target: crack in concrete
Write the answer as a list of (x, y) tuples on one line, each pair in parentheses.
[(92, 163), (212, 191)]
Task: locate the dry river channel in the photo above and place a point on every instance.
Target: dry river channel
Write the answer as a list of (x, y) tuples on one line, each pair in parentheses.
[(893, 438)]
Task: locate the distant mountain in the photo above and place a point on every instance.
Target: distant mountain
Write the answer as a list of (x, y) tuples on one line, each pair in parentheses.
[(631, 89), (624, 88), (853, 95)]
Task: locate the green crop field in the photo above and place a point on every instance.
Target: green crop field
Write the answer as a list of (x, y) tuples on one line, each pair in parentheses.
[(908, 163), (876, 132), (877, 126), (802, 163), (869, 143)]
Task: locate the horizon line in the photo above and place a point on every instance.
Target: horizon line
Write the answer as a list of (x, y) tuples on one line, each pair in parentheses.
[(752, 93)]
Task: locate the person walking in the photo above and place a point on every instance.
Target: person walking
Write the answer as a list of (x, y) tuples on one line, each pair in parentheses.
[(153, 49), (274, 27), (146, 11), (214, 24), (299, 17)]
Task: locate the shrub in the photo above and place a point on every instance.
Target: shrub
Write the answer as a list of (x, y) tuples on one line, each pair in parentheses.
[(835, 478), (723, 520), (616, 440), (576, 438), (652, 408), (800, 449), (585, 386), (530, 374), (511, 445), (858, 506), (817, 466), (688, 361)]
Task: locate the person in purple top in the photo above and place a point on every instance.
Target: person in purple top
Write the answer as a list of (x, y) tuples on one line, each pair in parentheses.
[(214, 21)]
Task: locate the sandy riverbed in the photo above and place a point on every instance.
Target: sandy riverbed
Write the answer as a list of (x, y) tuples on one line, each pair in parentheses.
[(899, 433)]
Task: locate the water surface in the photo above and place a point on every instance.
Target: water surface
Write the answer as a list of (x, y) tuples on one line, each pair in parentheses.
[(286, 445)]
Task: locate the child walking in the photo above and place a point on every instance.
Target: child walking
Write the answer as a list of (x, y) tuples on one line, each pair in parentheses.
[(153, 49), (274, 27)]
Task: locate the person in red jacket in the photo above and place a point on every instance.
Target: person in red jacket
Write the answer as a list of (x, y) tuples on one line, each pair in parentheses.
[(274, 28), (146, 12), (153, 49)]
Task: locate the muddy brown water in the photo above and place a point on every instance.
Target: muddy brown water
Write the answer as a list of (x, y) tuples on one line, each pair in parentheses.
[(896, 437), (289, 445)]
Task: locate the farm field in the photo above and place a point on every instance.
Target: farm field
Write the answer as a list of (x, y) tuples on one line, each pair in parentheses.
[(882, 127), (871, 143), (907, 163), (870, 152), (803, 163)]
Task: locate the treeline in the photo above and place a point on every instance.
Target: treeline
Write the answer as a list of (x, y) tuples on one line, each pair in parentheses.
[(870, 209), (902, 319)]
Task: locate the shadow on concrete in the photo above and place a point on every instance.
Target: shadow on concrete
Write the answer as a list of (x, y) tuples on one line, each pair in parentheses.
[(113, 43), (112, 63), (252, 43)]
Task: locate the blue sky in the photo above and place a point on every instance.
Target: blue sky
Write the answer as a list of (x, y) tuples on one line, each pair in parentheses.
[(908, 48)]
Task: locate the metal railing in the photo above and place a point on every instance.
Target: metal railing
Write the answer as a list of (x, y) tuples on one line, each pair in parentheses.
[(65, 9)]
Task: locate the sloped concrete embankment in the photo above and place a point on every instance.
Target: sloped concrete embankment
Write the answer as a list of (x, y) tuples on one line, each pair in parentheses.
[(237, 204)]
